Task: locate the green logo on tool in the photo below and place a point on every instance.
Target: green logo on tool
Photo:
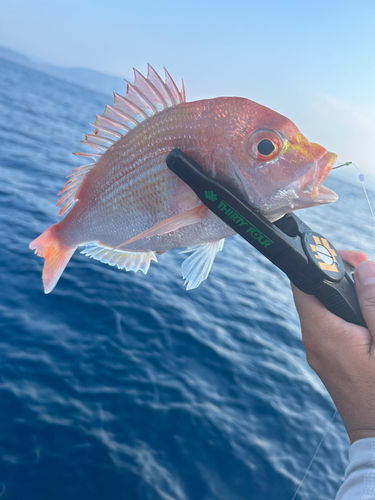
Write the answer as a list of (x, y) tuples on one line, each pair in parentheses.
[(210, 195), (232, 214)]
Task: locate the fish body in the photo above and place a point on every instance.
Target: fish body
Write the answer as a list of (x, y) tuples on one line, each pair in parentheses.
[(131, 189), (128, 206)]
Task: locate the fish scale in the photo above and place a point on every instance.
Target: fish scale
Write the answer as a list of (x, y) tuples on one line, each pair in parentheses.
[(127, 205), (133, 173)]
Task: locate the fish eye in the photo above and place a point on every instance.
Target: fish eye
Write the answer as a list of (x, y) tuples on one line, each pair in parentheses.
[(265, 145)]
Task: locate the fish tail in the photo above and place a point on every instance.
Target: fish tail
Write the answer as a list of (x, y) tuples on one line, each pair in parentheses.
[(56, 255)]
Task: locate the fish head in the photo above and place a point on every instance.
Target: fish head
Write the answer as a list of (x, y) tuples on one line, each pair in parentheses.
[(275, 167)]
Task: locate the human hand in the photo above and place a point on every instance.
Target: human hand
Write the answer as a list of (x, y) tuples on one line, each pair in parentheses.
[(343, 354)]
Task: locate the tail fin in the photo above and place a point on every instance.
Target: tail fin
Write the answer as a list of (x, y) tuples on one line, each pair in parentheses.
[(56, 255)]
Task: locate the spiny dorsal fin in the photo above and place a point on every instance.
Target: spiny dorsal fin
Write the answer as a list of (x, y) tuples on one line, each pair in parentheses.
[(144, 98)]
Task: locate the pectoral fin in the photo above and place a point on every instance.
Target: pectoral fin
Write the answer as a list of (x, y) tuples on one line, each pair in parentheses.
[(197, 214)]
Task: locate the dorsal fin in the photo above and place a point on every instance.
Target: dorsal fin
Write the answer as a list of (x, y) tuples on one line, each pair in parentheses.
[(144, 98)]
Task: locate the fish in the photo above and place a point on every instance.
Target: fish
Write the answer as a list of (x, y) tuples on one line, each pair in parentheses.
[(126, 207)]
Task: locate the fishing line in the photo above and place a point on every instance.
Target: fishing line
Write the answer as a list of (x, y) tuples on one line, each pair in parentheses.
[(316, 452), (361, 177)]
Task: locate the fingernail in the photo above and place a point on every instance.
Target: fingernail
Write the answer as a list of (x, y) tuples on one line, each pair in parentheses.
[(365, 272)]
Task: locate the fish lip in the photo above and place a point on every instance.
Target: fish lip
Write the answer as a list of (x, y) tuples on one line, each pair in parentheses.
[(306, 191), (310, 186)]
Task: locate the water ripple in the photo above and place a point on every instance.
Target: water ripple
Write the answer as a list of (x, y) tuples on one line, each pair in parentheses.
[(120, 385)]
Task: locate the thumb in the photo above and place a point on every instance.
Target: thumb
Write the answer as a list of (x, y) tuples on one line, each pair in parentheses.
[(364, 279)]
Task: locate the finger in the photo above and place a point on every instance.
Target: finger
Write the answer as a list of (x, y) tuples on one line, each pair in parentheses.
[(352, 257), (364, 280), (308, 306), (321, 330), (314, 316)]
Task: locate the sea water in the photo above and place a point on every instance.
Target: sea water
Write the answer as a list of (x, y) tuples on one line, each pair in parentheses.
[(124, 386)]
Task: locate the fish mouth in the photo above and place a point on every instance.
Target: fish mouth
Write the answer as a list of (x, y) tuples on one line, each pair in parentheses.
[(310, 187)]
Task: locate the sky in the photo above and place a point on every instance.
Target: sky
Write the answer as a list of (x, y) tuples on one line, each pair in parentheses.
[(313, 61)]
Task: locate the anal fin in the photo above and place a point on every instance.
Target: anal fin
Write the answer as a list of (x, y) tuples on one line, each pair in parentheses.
[(197, 266), (130, 261)]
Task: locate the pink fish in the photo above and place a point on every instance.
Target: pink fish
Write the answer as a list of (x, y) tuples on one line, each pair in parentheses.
[(126, 206)]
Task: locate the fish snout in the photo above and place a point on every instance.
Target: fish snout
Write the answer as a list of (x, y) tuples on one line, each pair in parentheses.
[(310, 186)]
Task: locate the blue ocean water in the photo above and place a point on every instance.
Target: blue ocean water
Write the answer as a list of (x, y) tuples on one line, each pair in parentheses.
[(124, 386)]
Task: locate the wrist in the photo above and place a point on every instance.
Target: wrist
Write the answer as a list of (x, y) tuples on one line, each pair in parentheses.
[(356, 434)]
